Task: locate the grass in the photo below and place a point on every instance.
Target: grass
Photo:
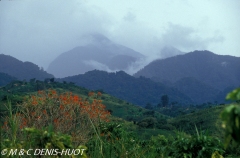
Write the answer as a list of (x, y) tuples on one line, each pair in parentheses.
[(120, 137), (205, 119), (112, 139)]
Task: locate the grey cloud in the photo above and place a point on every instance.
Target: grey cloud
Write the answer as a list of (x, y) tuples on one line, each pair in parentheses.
[(38, 32), (96, 65), (187, 38), (176, 39), (129, 17)]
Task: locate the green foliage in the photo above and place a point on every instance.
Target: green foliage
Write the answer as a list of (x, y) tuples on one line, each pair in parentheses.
[(148, 122), (16, 91), (43, 139), (206, 119), (47, 139), (149, 134), (196, 146), (120, 143), (231, 118), (164, 100), (234, 95), (32, 138), (149, 106)]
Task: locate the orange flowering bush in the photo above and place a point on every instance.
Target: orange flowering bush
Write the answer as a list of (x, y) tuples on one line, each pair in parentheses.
[(67, 113)]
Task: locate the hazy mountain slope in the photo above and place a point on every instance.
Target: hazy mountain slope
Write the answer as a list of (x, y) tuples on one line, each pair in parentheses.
[(101, 54), (5, 79), (217, 71), (21, 70), (139, 91), (196, 90)]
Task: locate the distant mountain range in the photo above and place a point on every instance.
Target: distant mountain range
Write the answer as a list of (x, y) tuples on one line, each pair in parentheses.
[(193, 78), (200, 74), (140, 91), (101, 54), (21, 70)]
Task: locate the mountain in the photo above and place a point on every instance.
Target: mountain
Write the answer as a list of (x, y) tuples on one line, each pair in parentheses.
[(201, 75), (196, 90), (169, 51), (21, 70), (5, 79), (217, 71), (140, 91), (101, 54)]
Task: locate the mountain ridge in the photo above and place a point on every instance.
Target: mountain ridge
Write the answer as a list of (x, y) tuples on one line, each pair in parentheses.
[(140, 91), (21, 70), (218, 71)]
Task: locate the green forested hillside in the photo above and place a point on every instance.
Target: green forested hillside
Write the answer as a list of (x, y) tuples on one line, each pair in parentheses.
[(162, 118), (207, 119), (17, 90), (139, 91)]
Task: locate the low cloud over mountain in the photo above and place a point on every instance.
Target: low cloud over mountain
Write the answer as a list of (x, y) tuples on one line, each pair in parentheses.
[(99, 53)]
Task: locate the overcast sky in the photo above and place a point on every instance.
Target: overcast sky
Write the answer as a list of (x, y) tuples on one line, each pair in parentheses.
[(40, 30)]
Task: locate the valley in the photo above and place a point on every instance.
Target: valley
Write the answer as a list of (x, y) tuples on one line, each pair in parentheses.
[(159, 106)]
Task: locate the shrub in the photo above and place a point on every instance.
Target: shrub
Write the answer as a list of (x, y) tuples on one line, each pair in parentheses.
[(231, 118), (67, 113), (35, 139), (196, 146)]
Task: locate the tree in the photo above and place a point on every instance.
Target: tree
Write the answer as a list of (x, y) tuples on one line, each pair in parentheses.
[(32, 80), (148, 122), (159, 105), (66, 113), (51, 79), (164, 100), (149, 106)]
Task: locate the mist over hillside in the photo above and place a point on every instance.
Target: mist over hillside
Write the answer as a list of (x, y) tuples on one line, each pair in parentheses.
[(100, 53)]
